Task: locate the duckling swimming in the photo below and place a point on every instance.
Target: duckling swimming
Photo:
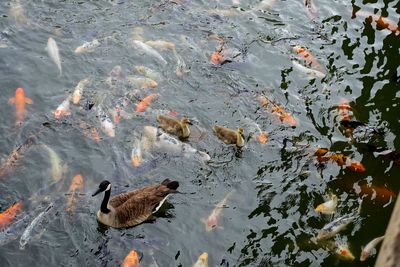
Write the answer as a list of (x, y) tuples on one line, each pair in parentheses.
[(171, 125), (229, 136)]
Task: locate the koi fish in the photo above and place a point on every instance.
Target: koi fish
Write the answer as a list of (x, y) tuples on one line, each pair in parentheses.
[(87, 47), (9, 214), (131, 260), (136, 154), (20, 100), (312, 10), (310, 72), (161, 45), (368, 249), (344, 110), (217, 58), (119, 111), (76, 185), (88, 130), (13, 231), (149, 73), (343, 252), (265, 4), (333, 228), (15, 156), (115, 75), (54, 54), (17, 13), (27, 234), (57, 169), (77, 94), (382, 22), (202, 261), (142, 82), (328, 207), (63, 109), (307, 56), (148, 50), (106, 124), (284, 116), (212, 221), (324, 155), (145, 103), (137, 33), (378, 193)]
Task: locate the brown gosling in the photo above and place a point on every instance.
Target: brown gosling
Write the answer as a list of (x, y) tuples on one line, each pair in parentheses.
[(132, 208), (229, 136), (171, 125)]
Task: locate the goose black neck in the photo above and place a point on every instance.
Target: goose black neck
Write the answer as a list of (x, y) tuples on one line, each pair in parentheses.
[(104, 203)]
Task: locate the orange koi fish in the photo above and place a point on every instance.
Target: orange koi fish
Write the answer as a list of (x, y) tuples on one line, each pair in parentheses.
[(145, 103), (380, 21), (284, 116), (76, 185), (217, 58), (20, 100), (262, 137), (307, 56), (324, 155), (7, 216), (131, 260), (379, 193)]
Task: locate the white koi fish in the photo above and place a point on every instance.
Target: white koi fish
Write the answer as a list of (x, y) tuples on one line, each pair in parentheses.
[(161, 45), (57, 169), (212, 221), (77, 94), (328, 207), (333, 228), (27, 235), (148, 50), (106, 124), (63, 109), (87, 47), (310, 72), (149, 73), (54, 54), (370, 248)]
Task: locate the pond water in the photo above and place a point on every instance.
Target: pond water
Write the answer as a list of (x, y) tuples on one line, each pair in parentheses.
[(269, 217)]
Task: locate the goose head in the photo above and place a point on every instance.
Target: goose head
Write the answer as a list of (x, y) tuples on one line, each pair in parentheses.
[(240, 137), (104, 186)]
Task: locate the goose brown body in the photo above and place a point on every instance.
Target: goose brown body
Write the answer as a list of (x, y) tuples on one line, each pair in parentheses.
[(174, 126), (132, 208), (229, 136)]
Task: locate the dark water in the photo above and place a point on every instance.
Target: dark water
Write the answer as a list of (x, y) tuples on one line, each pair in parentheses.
[(270, 217)]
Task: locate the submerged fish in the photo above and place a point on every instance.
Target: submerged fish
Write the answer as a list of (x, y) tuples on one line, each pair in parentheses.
[(87, 47), (20, 100), (77, 94), (148, 50), (307, 56), (106, 124), (136, 154), (141, 82), (328, 207), (72, 195), (54, 54), (333, 228), (202, 261), (131, 260), (161, 44), (310, 72), (145, 102), (212, 221), (57, 169), (382, 22), (343, 252), (284, 116), (119, 111), (27, 234), (7, 216), (13, 231), (149, 73), (88, 130), (344, 110), (312, 10), (17, 13), (368, 249), (63, 109)]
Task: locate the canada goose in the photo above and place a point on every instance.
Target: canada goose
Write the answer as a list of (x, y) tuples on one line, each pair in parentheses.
[(132, 208), (174, 126), (229, 136)]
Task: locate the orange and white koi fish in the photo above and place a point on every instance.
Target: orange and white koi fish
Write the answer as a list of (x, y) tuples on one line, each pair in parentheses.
[(324, 155), (212, 221), (307, 56), (141, 82), (88, 130), (54, 54), (202, 261), (131, 260), (328, 207), (63, 109), (15, 156), (20, 100), (87, 47), (161, 45), (77, 94), (136, 155), (368, 249), (344, 253), (72, 195), (9, 214), (145, 103), (380, 21), (284, 116), (106, 124)]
